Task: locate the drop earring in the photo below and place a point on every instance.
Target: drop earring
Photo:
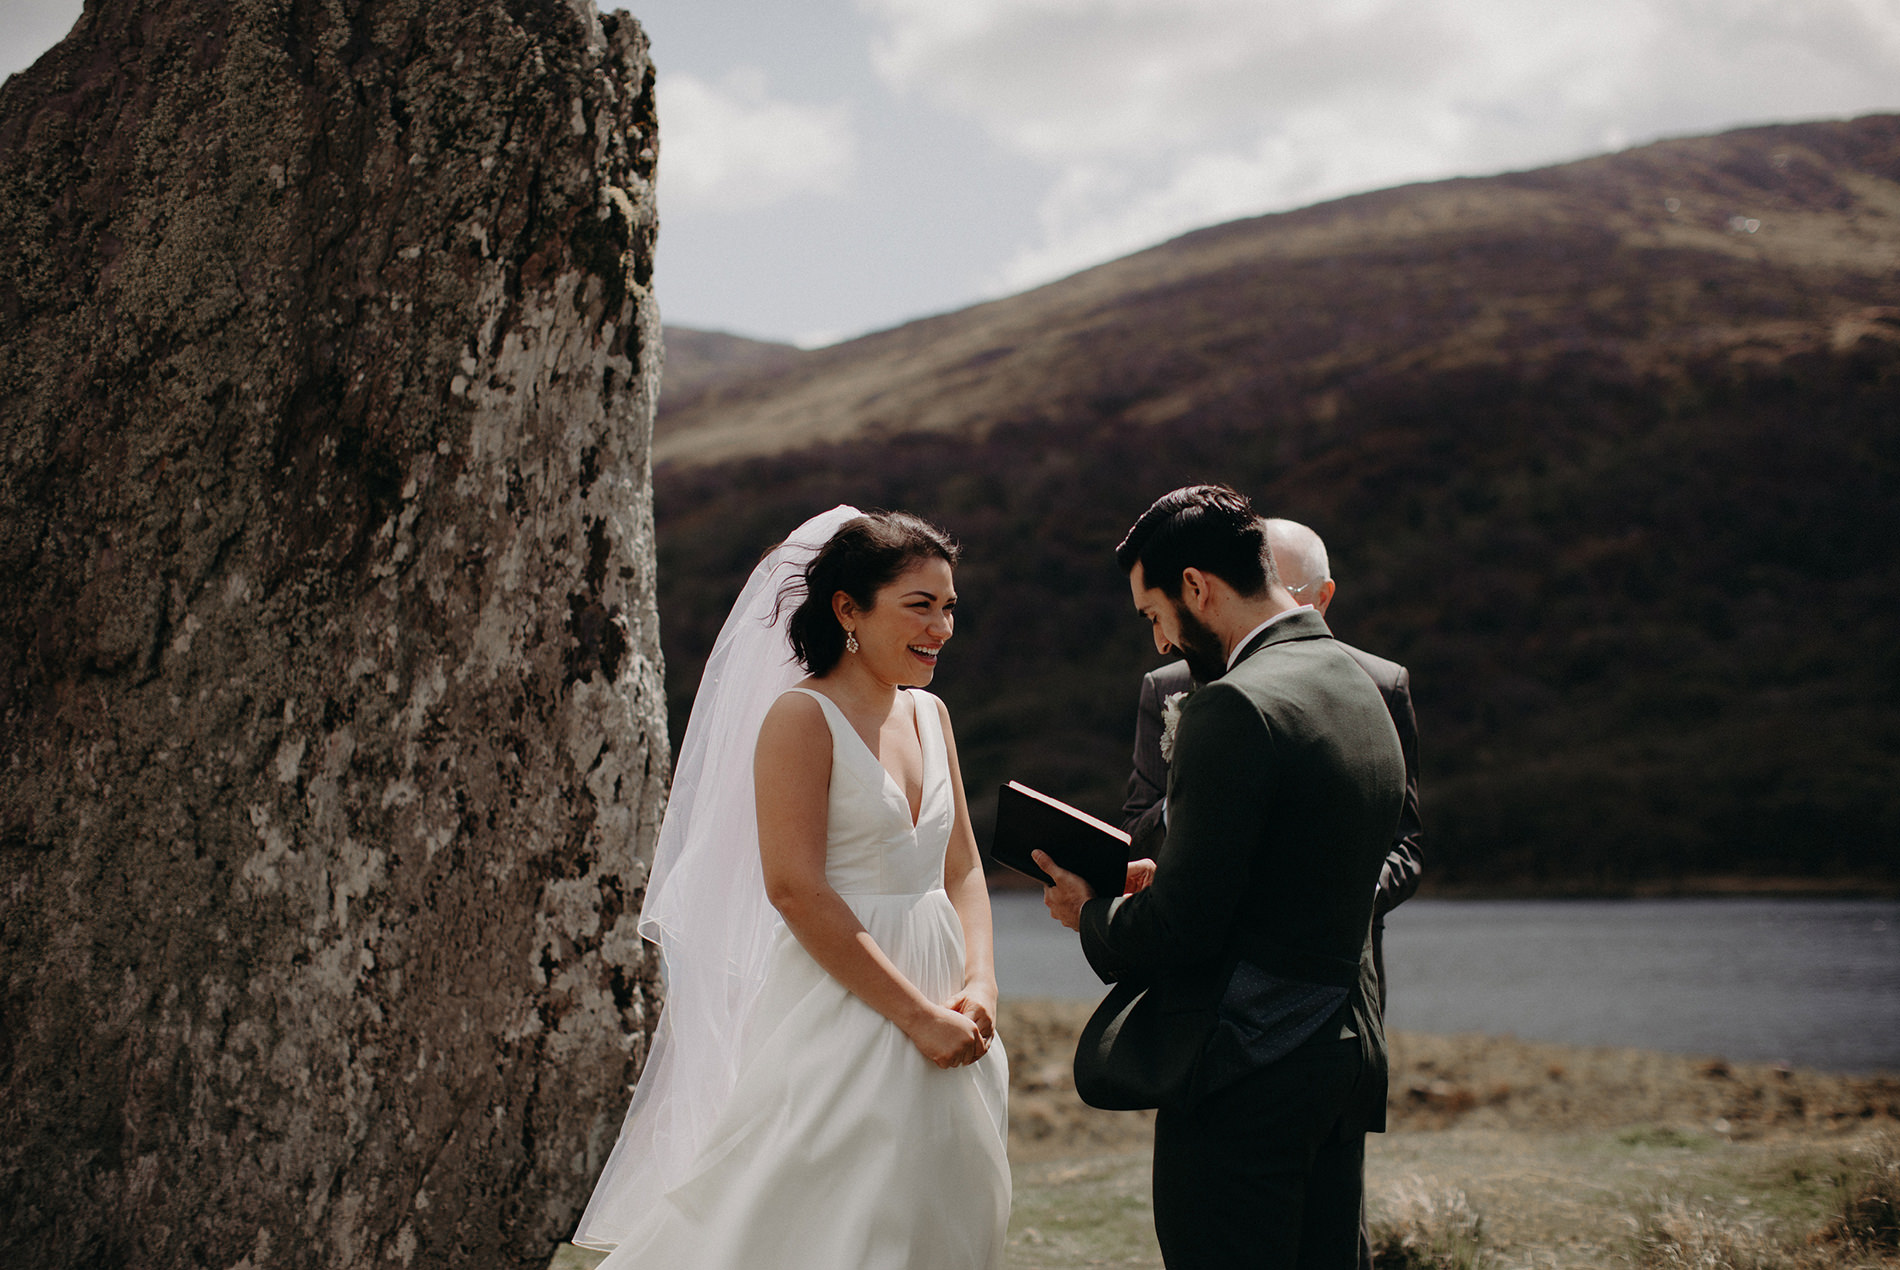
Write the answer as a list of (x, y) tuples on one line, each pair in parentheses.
[(850, 641)]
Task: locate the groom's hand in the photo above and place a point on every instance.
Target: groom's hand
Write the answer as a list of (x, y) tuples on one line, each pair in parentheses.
[(1140, 873), (1065, 899)]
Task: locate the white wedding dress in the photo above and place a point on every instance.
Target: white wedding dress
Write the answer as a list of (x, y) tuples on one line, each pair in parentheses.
[(842, 1147)]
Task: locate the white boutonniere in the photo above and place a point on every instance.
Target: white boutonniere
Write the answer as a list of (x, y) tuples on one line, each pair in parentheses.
[(1170, 722)]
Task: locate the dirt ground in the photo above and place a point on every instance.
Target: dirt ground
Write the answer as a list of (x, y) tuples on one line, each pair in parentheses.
[(1560, 1150)]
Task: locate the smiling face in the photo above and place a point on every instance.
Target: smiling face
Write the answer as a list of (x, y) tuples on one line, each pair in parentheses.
[(909, 621)]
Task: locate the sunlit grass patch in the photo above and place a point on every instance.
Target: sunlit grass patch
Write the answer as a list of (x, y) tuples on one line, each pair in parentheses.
[(1422, 1229), (1862, 1230), (1088, 1212), (1663, 1137), (1678, 1235)]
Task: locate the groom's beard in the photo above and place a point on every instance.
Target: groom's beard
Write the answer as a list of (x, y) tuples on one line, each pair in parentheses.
[(1200, 648)]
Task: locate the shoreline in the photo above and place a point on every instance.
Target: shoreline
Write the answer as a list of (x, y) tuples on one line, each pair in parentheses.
[(1476, 1081)]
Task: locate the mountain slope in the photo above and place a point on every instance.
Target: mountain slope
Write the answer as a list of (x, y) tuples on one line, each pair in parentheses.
[(1766, 236), (1618, 477), (698, 361)]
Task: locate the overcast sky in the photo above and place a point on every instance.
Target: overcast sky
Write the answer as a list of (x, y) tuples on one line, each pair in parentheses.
[(829, 167)]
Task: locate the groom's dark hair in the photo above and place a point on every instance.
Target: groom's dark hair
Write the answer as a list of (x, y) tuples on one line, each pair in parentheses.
[(1213, 528)]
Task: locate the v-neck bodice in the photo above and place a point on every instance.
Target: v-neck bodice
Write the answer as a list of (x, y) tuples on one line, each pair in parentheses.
[(871, 846)]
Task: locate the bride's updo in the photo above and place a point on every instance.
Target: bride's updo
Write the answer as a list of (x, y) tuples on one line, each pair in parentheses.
[(865, 555)]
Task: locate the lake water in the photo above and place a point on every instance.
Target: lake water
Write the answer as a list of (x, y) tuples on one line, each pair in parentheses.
[(1814, 983)]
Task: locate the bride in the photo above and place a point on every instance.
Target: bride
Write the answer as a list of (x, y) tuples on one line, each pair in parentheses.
[(825, 1088)]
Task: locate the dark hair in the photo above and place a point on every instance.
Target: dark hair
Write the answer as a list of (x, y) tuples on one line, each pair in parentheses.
[(865, 554), (1208, 527)]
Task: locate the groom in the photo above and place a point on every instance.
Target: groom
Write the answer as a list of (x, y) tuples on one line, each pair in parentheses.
[(1299, 556), (1252, 924)]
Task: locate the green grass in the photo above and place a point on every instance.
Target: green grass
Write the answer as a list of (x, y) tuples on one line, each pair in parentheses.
[(1089, 1212), (1662, 1137)]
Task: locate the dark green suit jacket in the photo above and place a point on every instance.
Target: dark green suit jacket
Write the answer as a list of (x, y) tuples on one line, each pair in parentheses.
[(1285, 786)]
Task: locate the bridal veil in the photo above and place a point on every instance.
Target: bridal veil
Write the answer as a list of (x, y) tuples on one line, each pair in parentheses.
[(705, 901)]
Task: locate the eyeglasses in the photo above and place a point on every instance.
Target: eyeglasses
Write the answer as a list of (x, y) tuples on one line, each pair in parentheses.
[(1308, 586)]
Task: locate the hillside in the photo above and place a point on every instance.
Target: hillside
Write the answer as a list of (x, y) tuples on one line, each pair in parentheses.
[(1608, 453), (697, 361)]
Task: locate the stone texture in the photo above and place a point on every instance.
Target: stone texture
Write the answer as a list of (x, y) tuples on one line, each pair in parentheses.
[(331, 730)]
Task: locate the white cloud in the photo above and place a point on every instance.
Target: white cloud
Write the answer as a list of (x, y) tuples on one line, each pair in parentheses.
[(1099, 211), (730, 147), (1158, 116)]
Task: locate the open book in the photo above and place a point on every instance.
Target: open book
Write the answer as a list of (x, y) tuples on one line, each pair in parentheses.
[(1030, 821)]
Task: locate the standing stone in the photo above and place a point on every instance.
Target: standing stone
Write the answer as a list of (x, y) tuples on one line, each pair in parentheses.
[(331, 728)]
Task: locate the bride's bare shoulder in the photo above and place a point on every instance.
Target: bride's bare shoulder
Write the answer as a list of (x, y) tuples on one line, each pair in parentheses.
[(931, 701), (794, 748), (795, 715)]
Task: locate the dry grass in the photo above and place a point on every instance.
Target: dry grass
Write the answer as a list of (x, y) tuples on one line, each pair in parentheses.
[(1678, 1236), (1863, 1233), (1868, 1222), (1487, 1082), (1429, 1230), (1507, 1155), (1439, 1081)]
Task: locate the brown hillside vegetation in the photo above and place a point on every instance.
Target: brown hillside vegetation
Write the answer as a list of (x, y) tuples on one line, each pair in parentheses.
[(697, 361), (1608, 454), (1750, 243)]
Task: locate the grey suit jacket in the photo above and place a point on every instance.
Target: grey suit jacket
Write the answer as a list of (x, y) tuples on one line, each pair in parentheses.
[(1286, 781), (1147, 782)]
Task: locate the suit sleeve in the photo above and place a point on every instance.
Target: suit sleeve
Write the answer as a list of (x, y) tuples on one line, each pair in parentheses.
[(1148, 780), (1222, 782), (1398, 879)]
